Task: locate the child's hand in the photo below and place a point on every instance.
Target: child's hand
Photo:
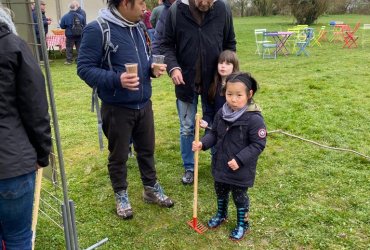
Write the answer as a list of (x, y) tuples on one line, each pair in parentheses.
[(233, 164), (203, 124), (197, 146)]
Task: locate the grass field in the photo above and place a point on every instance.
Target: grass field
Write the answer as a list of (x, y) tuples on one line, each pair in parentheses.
[(305, 196)]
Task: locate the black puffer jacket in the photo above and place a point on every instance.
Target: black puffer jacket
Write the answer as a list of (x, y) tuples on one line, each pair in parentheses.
[(25, 137), (242, 140)]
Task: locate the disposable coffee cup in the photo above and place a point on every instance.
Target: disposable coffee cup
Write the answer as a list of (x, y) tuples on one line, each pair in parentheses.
[(131, 68), (158, 60)]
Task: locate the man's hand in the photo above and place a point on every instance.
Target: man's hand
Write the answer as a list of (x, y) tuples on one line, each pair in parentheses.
[(158, 69), (176, 76), (129, 81)]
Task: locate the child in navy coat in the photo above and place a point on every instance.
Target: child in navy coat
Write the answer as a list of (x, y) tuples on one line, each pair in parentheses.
[(238, 135)]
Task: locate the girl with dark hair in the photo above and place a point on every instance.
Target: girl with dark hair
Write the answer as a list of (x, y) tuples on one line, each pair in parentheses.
[(239, 136), (227, 63)]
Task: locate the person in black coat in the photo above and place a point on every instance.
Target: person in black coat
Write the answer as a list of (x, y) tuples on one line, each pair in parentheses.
[(194, 36), (25, 134), (239, 136)]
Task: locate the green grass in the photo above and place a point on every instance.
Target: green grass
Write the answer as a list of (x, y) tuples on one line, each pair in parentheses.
[(305, 197)]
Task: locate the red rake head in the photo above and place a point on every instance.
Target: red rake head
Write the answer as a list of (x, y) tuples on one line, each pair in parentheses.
[(198, 227)]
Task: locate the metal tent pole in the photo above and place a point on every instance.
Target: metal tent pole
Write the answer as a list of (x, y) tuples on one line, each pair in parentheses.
[(55, 122)]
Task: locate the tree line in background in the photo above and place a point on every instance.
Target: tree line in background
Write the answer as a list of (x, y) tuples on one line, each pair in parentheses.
[(304, 11)]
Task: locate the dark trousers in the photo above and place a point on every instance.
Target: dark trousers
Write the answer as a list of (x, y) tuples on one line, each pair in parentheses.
[(70, 42), (119, 125), (240, 195)]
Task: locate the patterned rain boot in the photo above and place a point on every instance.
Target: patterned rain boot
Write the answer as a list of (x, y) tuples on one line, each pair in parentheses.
[(221, 215), (123, 205), (242, 226)]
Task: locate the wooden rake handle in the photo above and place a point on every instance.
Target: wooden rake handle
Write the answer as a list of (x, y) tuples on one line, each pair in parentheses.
[(196, 160), (36, 205)]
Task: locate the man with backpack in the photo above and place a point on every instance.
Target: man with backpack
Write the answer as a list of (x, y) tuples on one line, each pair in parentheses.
[(73, 23), (109, 44)]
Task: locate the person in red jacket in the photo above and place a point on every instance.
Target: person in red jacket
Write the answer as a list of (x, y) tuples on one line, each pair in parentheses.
[(148, 24)]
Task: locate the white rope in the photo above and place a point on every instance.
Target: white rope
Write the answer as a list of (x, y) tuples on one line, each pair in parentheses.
[(318, 144)]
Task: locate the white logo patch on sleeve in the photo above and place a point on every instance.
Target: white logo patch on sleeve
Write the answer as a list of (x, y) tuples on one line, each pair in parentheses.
[(262, 133)]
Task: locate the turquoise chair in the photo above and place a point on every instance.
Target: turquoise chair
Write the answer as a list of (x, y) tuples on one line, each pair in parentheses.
[(302, 45)]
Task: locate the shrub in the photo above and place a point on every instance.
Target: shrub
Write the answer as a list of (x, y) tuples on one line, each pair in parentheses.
[(307, 11)]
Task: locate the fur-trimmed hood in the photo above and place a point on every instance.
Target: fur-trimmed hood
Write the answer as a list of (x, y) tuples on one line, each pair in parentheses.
[(6, 20)]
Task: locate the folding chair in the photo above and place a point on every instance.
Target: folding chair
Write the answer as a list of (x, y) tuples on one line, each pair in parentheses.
[(319, 37), (299, 35), (365, 37), (267, 46), (258, 34), (302, 45), (350, 38)]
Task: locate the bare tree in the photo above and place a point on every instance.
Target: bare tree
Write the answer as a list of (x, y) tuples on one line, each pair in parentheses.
[(240, 6), (264, 7)]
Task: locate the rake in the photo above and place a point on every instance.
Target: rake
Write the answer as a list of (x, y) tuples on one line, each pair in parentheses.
[(197, 226)]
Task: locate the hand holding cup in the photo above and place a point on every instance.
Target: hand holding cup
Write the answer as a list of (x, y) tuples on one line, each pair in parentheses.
[(129, 79), (158, 65)]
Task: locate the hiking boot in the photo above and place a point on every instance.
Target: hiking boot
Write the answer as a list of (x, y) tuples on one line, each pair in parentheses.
[(156, 195), (188, 177), (123, 205)]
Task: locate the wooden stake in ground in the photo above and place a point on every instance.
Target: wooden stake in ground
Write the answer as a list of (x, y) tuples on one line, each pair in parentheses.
[(36, 205)]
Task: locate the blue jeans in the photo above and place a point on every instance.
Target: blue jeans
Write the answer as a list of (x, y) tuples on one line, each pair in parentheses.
[(16, 202), (186, 112)]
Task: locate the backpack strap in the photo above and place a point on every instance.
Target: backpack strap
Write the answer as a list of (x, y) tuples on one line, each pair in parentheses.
[(173, 9), (147, 37), (228, 17), (108, 47)]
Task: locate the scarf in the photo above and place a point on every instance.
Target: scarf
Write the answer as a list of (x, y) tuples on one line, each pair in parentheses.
[(231, 116)]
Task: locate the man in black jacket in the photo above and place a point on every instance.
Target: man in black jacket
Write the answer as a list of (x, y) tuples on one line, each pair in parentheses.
[(25, 136), (46, 21), (194, 38)]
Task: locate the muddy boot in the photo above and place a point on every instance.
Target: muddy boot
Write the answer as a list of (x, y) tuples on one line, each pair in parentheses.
[(156, 195), (123, 205), (221, 215), (242, 226)]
